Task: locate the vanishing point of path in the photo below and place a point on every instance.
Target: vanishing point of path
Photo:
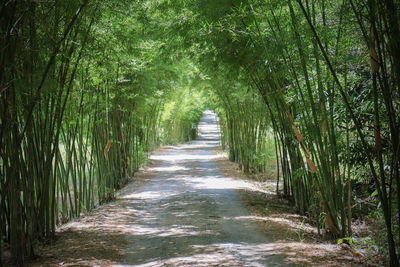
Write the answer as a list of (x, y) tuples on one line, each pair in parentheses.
[(186, 214), (190, 214)]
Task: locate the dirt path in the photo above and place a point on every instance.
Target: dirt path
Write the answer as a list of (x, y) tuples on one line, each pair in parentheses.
[(184, 211)]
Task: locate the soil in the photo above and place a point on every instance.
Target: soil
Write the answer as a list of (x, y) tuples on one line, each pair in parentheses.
[(192, 207)]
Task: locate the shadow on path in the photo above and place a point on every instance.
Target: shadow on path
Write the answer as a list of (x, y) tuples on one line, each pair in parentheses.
[(190, 214), (181, 211)]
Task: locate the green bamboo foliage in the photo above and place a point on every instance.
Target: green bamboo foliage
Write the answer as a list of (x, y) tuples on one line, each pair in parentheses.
[(244, 127), (89, 88), (76, 123), (301, 57)]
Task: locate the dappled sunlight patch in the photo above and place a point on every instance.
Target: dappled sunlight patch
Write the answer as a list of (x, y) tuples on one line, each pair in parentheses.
[(150, 231), (215, 182), (182, 157), (200, 144), (246, 218), (152, 195), (286, 220), (172, 168)]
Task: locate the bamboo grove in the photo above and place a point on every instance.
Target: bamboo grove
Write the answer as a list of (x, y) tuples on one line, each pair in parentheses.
[(322, 76), (89, 88), (81, 107)]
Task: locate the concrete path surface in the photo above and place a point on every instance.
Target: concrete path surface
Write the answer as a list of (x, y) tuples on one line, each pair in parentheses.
[(189, 214)]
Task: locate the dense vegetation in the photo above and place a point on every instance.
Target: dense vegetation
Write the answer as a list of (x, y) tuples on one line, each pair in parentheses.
[(88, 89)]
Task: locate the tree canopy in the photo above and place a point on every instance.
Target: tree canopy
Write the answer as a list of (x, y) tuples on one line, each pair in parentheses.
[(89, 88)]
